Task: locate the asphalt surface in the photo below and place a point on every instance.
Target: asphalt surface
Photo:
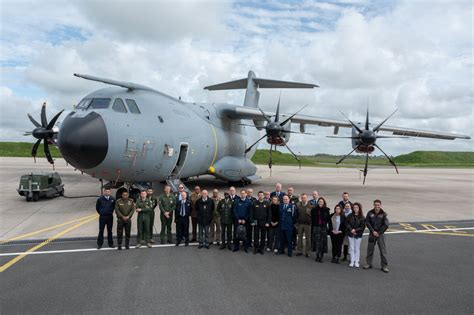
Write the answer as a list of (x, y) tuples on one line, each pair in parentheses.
[(430, 274)]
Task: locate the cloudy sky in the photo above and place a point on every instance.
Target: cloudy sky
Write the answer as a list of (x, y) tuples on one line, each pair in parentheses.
[(416, 56)]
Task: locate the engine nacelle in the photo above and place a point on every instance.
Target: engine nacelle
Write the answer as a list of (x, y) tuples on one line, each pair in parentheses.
[(357, 143)]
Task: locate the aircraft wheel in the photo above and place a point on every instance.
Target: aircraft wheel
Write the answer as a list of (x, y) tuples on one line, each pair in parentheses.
[(35, 196), (29, 198)]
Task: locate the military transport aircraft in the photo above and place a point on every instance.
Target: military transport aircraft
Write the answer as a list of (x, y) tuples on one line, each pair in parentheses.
[(131, 134)]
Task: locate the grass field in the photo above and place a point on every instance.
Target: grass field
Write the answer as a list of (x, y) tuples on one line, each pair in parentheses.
[(417, 158)]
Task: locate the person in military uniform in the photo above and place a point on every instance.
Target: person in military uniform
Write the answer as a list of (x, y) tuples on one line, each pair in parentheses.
[(215, 232), (294, 199), (124, 209), (304, 225), (248, 224), (105, 207), (204, 211), (144, 207), (167, 203), (195, 195), (241, 211), (150, 195), (182, 212), (224, 208), (288, 215), (377, 223), (260, 217)]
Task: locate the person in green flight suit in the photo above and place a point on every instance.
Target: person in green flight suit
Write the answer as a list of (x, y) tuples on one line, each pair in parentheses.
[(167, 203), (150, 195), (144, 207), (124, 209)]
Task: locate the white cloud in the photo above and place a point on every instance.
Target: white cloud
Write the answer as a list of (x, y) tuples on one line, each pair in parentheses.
[(414, 56)]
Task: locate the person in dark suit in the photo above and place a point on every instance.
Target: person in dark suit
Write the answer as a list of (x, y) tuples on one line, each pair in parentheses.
[(278, 193), (182, 212), (319, 226), (205, 211), (105, 206)]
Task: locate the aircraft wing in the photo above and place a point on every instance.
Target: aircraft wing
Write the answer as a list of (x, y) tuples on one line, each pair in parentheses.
[(240, 112)]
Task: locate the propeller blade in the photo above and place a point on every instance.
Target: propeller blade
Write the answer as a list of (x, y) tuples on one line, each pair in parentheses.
[(289, 118), (277, 116), (367, 119), (33, 121), (249, 148), (366, 166), (263, 113), (270, 162), (53, 121), (353, 125), (338, 137), (47, 153), (294, 155), (27, 133), (383, 122), (345, 156), (389, 159), (34, 150), (44, 121)]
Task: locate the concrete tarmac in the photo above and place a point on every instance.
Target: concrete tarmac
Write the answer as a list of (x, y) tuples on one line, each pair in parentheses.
[(414, 195)]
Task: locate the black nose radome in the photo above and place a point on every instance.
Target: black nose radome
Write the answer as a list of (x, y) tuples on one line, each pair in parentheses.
[(83, 141)]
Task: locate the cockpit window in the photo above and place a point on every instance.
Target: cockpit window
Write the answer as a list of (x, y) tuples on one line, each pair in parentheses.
[(119, 106), (133, 107), (98, 103), (84, 103)]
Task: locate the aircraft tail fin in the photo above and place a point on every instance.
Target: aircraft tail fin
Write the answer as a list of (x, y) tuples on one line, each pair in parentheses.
[(252, 83)]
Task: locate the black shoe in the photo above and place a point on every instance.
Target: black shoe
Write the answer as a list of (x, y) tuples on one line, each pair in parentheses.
[(177, 244), (207, 246), (186, 244), (254, 251), (112, 246), (246, 250), (162, 242), (279, 253), (127, 247), (299, 254), (200, 246), (229, 247), (170, 242), (119, 247), (222, 247), (307, 255), (316, 259), (344, 258), (337, 261), (235, 250), (333, 260), (290, 255), (218, 243), (99, 246)]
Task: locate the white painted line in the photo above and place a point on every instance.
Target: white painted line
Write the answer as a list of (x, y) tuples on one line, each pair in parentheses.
[(191, 244)]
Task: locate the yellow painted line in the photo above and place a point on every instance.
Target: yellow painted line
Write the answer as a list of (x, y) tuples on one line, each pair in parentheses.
[(215, 148), (46, 229), (445, 233), (20, 257)]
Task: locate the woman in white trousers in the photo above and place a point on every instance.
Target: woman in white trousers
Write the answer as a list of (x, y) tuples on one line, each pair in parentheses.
[(355, 228)]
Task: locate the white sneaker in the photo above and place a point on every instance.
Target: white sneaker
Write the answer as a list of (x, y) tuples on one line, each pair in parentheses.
[(275, 250), (356, 265), (351, 264), (268, 249)]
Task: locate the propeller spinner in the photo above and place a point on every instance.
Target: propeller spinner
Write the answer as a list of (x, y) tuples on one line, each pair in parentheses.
[(43, 131)]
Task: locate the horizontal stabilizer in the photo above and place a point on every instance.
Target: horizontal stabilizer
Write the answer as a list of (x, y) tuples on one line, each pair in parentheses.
[(261, 83)]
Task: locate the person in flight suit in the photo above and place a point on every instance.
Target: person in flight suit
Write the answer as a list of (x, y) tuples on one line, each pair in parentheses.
[(167, 203), (215, 232), (241, 212), (144, 207), (105, 206), (260, 217), (182, 212), (225, 207), (150, 195), (124, 209), (195, 195), (377, 223), (288, 215), (304, 225), (204, 211)]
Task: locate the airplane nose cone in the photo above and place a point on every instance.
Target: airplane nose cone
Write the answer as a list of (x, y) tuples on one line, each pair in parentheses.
[(83, 141)]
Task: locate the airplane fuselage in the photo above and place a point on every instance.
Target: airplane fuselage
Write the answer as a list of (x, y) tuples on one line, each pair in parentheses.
[(105, 137)]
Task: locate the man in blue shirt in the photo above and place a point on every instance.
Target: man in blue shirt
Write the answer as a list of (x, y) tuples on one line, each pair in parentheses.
[(288, 215), (241, 211), (105, 207)]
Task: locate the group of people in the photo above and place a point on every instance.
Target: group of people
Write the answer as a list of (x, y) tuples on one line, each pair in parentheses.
[(270, 221)]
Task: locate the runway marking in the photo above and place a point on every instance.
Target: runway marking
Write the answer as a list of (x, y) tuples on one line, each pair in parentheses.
[(33, 249), (65, 251), (45, 229)]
